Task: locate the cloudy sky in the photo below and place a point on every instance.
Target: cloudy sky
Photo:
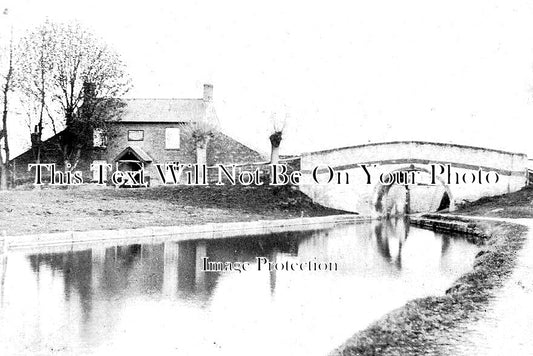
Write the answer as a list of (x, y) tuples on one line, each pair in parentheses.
[(345, 72)]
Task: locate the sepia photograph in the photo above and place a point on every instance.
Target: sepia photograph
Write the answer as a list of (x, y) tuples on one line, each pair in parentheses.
[(201, 177)]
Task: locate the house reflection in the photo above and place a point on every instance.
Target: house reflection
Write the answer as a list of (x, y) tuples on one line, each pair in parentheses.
[(174, 270)]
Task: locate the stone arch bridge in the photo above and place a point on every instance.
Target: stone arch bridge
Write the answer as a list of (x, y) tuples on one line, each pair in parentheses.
[(425, 176)]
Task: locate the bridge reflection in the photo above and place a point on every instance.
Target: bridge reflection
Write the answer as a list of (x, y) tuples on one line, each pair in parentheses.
[(390, 236)]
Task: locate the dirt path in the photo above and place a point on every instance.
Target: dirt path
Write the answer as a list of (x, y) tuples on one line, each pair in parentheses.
[(506, 327)]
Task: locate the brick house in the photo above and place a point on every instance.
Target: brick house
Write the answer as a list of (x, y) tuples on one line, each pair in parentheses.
[(148, 132)]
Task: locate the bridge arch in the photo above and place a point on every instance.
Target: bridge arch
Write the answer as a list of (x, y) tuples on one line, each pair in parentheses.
[(381, 190), (361, 197)]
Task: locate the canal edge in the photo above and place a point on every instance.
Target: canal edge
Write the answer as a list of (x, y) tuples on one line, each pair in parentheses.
[(179, 232), (404, 329)]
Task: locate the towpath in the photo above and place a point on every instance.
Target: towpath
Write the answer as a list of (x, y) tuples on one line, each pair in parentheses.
[(506, 327)]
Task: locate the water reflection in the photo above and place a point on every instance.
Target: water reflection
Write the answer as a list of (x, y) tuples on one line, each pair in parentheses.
[(101, 300), (390, 237)]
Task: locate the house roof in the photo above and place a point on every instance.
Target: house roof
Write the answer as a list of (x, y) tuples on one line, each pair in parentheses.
[(163, 110)]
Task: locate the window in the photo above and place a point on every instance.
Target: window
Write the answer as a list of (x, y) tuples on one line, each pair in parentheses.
[(172, 138), (135, 135), (99, 138)]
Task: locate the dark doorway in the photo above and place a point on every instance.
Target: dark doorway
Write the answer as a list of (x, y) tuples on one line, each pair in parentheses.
[(445, 202)]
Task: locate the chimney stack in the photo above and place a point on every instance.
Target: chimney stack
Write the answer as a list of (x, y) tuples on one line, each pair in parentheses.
[(208, 92)]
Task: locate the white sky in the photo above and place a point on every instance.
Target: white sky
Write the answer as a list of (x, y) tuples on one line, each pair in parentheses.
[(349, 72)]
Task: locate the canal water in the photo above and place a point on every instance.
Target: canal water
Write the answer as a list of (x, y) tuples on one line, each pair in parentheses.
[(157, 299)]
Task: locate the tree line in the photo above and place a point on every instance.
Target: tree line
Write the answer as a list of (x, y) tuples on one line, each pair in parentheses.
[(64, 77)]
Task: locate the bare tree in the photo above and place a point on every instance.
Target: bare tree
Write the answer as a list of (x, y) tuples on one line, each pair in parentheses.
[(201, 133), (278, 124), (6, 78), (86, 80), (34, 79)]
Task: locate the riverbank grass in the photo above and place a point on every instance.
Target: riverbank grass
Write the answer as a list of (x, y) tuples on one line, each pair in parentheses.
[(431, 325), (513, 205), (99, 208)]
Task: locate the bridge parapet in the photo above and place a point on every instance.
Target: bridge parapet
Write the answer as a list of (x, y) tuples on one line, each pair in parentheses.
[(358, 196), (423, 151)]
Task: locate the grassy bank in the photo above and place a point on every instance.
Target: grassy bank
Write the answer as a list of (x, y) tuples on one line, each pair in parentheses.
[(513, 205), (52, 210), (429, 325)]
